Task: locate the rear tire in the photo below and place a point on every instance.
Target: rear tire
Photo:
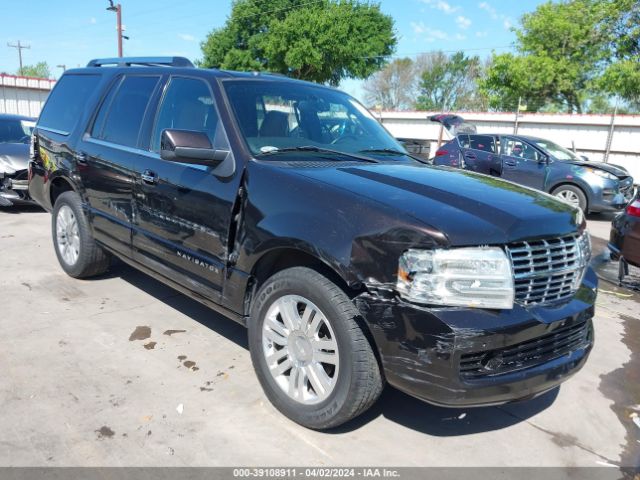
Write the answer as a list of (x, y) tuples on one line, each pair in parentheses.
[(339, 371), (572, 195), (76, 249)]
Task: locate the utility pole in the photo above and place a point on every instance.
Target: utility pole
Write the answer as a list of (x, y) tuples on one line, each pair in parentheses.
[(19, 47), (118, 9), (515, 126)]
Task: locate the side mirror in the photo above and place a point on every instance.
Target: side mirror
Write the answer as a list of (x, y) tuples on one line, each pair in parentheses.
[(584, 157), (187, 146), (543, 159)]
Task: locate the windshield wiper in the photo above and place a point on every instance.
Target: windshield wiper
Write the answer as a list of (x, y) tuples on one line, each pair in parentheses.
[(313, 148), (394, 152)]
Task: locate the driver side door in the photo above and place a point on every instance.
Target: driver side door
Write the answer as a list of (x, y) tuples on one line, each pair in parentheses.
[(522, 163), (184, 210)]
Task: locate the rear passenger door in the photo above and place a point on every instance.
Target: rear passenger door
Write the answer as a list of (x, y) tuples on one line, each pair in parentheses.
[(184, 210), (479, 153), (107, 156)]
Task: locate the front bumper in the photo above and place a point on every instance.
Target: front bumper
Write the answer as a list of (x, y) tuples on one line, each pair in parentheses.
[(611, 195), (462, 357), (14, 188)]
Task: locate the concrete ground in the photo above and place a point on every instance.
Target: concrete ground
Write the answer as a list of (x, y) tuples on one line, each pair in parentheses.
[(122, 370)]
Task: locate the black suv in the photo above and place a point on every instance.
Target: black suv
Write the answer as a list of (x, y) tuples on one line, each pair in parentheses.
[(287, 207)]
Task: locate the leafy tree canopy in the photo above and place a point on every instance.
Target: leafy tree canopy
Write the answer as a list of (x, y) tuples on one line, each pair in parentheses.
[(324, 41), (40, 70), (567, 51)]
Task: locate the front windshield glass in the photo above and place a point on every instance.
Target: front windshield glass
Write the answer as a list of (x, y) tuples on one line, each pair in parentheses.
[(15, 130), (278, 115), (555, 150)]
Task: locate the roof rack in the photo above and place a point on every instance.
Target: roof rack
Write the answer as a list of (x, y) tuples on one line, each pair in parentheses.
[(144, 61)]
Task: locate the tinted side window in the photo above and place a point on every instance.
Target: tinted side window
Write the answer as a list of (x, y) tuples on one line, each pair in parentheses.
[(98, 124), (188, 105), (126, 110), (514, 147), (482, 142), (67, 101)]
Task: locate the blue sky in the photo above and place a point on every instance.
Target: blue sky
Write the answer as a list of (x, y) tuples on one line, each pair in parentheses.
[(71, 32)]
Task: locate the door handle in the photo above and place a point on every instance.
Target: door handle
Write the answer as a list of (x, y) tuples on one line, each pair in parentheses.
[(149, 177), (510, 163), (470, 155), (80, 158)]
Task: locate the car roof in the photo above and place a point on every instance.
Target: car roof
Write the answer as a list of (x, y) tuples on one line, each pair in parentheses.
[(13, 116), (212, 72), (523, 137)]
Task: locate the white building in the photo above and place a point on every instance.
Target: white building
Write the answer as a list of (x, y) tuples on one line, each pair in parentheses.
[(23, 95)]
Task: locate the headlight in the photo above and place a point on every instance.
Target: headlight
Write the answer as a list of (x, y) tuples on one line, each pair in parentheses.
[(469, 277), (603, 174)]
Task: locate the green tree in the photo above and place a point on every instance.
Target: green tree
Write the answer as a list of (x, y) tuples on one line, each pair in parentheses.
[(40, 70), (324, 41), (560, 47), (622, 74), (448, 82)]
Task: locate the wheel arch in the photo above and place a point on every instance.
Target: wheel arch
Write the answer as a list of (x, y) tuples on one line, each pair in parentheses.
[(281, 258), (59, 185)]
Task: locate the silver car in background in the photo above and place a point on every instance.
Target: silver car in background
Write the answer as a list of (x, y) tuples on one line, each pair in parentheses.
[(15, 137)]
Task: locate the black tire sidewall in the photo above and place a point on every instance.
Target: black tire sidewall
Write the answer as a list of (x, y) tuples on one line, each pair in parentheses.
[(313, 416)]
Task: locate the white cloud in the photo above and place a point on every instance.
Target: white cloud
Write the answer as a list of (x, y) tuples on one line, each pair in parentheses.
[(418, 28), (489, 9), (442, 6), (427, 33), (481, 34), (507, 22), (460, 36), (463, 22), (186, 37), (93, 20), (433, 34)]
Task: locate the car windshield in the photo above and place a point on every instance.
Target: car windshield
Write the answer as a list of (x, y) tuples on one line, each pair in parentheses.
[(283, 116), (558, 152), (15, 130)]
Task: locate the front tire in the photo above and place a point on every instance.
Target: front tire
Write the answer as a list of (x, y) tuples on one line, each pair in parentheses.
[(312, 358), (77, 251), (571, 195)]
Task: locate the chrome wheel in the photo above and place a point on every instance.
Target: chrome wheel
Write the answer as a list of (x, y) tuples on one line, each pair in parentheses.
[(569, 196), (300, 349), (67, 235)]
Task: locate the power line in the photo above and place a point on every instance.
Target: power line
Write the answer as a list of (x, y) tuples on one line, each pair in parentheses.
[(19, 47), (436, 51)]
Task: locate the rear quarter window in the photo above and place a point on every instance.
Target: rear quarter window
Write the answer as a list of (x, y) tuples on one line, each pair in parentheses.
[(67, 101)]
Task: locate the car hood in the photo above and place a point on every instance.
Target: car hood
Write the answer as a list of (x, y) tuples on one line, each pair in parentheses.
[(14, 155), (607, 167), (467, 208)]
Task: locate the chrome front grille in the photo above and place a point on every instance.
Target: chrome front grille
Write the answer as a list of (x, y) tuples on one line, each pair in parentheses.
[(548, 270)]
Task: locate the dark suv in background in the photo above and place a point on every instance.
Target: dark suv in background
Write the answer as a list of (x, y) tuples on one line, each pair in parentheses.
[(537, 163), (285, 206)]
